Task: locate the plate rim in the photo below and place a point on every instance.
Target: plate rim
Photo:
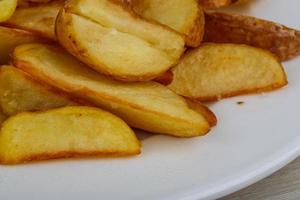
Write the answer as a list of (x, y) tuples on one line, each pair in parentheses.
[(247, 179)]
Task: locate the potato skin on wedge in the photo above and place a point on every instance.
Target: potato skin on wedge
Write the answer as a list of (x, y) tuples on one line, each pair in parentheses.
[(184, 16), (10, 38), (284, 42), (216, 71), (65, 132), (147, 105), (20, 93), (113, 40), (39, 18)]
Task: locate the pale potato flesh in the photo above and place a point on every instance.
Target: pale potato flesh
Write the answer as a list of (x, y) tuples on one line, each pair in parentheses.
[(115, 41), (148, 105), (215, 71), (38, 18), (10, 38), (19, 93), (7, 9), (65, 132), (180, 15)]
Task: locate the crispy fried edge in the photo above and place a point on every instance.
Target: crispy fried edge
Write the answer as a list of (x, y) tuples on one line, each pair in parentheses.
[(204, 111), (224, 28), (66, 154)]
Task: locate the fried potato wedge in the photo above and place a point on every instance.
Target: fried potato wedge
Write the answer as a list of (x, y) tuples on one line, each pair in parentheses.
[(215, 71), (184, 16), (7, 9), (10, 38), (233, 28), (146, 105), (212, 4), (65, 132), (19, 93), (39, 18), (112, 39)]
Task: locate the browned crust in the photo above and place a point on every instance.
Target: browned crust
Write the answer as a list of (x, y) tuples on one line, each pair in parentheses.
[(212, 4), (68, 42), (240, 92), (204, 111), (165, 79), (195, 35), (67, 154), (233, 28)]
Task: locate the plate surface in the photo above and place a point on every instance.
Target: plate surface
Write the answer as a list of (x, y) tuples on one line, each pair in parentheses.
[(250, 142)]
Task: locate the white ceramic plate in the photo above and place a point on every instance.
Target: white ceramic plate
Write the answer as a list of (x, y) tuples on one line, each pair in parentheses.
[(250, 142)]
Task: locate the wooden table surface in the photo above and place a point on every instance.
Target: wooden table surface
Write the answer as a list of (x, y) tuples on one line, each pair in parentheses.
[(282, 185)]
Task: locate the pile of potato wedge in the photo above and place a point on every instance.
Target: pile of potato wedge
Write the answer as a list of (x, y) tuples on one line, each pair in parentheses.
[(77, 76)]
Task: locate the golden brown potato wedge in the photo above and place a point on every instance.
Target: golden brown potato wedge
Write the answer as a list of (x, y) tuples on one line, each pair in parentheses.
[(7, 9), (233, 28), (10, 38), (215, 71), (109, 37), (145, 105), (212, 4), (65, 132), (184, 16), (19, 93), (39, 18), (203, 110)]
